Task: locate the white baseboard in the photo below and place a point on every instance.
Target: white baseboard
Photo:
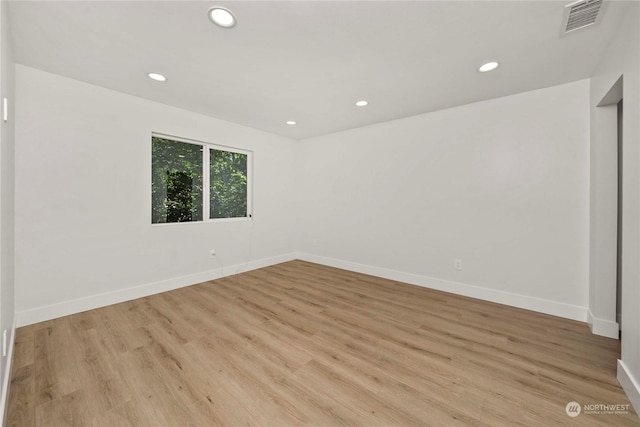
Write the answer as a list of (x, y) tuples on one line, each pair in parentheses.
[(540, 305), (605, 328), (53, 311), (4, 397), (630, 385)]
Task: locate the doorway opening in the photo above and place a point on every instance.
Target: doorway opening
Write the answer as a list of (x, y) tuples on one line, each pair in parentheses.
[(619, 228), (606, 240)]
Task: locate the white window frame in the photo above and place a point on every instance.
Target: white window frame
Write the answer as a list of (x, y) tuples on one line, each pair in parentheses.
[(206, 178)]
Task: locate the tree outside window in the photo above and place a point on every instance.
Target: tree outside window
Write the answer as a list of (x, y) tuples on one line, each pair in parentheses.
[(179, 182)]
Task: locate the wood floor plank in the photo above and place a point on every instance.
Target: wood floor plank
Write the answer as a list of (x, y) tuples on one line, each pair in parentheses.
[(158, 399), (98, 375), (56, 373), (125, 415), (22, 405), (299, 344), (68, 410)]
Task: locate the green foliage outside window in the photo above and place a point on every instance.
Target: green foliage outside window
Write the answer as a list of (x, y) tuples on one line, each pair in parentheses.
[(228, 184), (177, 182)]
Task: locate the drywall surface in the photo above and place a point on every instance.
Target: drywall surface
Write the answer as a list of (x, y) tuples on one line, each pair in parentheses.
[(502, 185), (622, 59), (7, 191), (83, 198)]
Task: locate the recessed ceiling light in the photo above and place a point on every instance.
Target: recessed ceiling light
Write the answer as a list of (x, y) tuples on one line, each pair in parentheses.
[(489, 66), (157, 77), (222, 17), (361, 103), (290, 122)]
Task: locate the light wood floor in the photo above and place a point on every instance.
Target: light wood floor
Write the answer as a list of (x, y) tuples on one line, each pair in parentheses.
[(302, 344)]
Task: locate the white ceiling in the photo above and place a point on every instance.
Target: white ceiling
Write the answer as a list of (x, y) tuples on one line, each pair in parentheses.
[(309, 61)]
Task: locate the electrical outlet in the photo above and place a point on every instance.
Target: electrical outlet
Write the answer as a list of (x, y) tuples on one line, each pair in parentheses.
[(212, 253), (457, 264), (4, 343)]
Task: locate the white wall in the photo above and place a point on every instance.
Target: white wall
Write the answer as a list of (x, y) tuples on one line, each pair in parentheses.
[(502, 185), (7, 146), (83, 203), (623, 58)]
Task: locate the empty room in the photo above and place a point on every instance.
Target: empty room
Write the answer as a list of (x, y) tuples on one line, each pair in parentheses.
[(320, 213)]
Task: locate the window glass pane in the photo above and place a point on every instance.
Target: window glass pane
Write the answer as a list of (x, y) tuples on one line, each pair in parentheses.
[(176, 182), (228, 184)]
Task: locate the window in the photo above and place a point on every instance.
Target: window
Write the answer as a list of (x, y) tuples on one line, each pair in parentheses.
[(193, 180), (176, 185), (227, 184)]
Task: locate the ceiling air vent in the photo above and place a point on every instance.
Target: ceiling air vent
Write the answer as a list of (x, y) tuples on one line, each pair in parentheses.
[(580, 14)]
